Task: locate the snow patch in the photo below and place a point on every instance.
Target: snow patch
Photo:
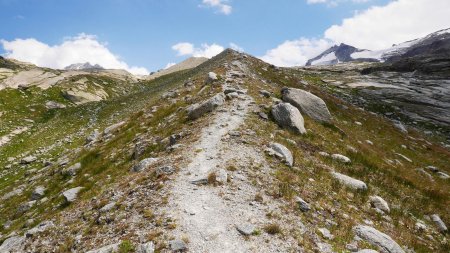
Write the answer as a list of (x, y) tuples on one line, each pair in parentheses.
[(325, 60)]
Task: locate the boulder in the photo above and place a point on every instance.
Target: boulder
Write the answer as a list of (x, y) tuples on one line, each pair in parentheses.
[(221, 176), (54, 105), (177, 245), (38, 193), (283, 152), (148, 247), (71, 194), (379, 203), (341, 158), (303, 205), (349, 181), (439, 223), (378, 239), (307, 103), (211, 77), (12, 244), (28, 159), (246, 229), (195, 111), (113, 128), (326, 233), (143, 164), (288, 116)]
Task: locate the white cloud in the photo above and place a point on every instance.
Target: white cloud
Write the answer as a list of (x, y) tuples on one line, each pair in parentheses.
[(236, 47), (378, 27), (296, 52), (205, 50), (170, 64), (381, 26), (78, 49), (333, 3), (219, 5)]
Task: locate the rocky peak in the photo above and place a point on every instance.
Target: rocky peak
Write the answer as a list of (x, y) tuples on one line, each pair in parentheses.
[(83, 66)]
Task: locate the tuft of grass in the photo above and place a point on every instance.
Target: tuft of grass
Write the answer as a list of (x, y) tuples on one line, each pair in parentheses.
[(273, 229), (126, 247), (212, 178)]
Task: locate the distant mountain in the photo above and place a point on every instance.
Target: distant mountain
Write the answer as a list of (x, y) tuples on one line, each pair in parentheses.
[(83, 66), (337, 54), (189, 63), (434, 45)]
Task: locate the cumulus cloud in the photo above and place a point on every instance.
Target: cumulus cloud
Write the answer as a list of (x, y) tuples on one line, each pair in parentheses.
[(79, 49), (333, 3), (219, 5), (381, 26), (296, 52), (378, 27), (236, 47), (205, 50)]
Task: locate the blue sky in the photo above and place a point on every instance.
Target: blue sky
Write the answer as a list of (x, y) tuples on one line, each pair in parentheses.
[(143, 32)]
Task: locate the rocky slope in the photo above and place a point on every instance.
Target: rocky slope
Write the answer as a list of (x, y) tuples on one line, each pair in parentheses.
[(234, 155), (189, 63)]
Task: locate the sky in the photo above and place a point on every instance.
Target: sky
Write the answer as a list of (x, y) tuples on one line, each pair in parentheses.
[(146, 35)]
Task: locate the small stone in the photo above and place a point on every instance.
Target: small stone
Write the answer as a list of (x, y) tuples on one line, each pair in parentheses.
[(246, 229), (165, 170), (71, 194), (349, 181), (283, 152), (108, 207), (265, 93), (326, 233), (72, 170), (341, 158), (221, 176), (439, 223), (148, 247), (263, 115), (28, 160), (379, 203), (302, 205), (38, 193), (144, 164), (177, 245)]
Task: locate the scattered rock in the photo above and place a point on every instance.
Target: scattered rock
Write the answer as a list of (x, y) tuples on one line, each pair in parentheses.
[(246, 229), (283, 152), (108, 207), (289, 117), (263, 115), (93, 137), (221, 176), (439, 223), (378, 239), (307, 103), (177, 245), (379, 203), (324, 247), (38, 193), (113, 128), (144, 164), (148, 247), (106, 249), (54, 105), (25, 206), (211, 77), (202, 181), (303, 205), (265, 93), (72, 170), (341, 158), (349, 181), (39, 228), (12, 244), (326, 233), (71, 194), (442, 175), (28, 160), (165, 170), (195, 111)]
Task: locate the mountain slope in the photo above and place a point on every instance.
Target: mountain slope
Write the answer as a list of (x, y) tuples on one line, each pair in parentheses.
[(217, 175), (337, 54), (83, 66), (189, 63)]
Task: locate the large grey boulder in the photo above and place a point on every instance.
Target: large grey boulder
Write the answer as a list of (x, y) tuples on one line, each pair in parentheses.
[(195, 111), (378, 239), (283, 152), (307, 103), (12, 244), (71, 194), (379, 203), (143, 164), (288, 116), (349, 181)]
